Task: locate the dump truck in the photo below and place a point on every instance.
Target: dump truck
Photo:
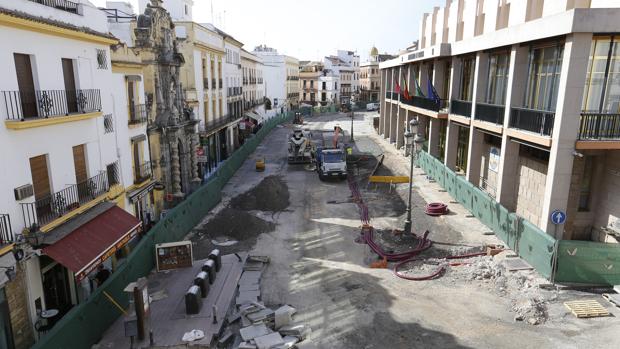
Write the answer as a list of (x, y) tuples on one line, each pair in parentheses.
[(331, 162), (299, 147)]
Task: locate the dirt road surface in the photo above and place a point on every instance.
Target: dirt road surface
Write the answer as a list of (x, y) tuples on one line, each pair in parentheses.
[(317, 267)]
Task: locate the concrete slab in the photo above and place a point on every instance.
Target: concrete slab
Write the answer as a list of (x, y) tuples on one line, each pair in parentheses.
[(514, 264), (269, 341), (249, 287), (168, 319), (283, 316), (253, 331), (289, 342), (260, 315)]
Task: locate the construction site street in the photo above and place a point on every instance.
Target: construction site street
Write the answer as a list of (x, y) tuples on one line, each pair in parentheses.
[(310, 229)]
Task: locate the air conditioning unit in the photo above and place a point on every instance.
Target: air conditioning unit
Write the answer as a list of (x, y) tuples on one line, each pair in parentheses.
[(23, 192)]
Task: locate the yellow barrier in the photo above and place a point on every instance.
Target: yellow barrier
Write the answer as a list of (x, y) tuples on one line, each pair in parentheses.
[(389, 179)]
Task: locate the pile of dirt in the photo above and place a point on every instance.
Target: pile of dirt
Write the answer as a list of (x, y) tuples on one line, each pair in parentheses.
[(271, 194), (230, 224)]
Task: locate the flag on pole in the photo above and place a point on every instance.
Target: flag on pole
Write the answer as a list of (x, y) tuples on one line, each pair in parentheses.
[(432, 93), (406, 92)]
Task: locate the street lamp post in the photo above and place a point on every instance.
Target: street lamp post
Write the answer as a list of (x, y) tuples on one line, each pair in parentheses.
[(413, 140), (352, 114)]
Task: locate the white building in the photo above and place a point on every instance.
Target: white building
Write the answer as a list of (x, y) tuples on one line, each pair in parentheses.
[(281, 76), (328, 91), (346, 66), (253, 84), (67, 124)]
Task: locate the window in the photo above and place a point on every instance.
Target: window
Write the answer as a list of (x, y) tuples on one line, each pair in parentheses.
[(102, 59), (586, 184), (108, 123), (498, 78), (601, 94), (467, 76), (186, 10), (543, 77), (112, 174), (324, 87)]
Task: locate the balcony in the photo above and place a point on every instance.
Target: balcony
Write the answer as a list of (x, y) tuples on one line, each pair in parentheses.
[(63, 5), (6, 231), (536, 121), (213, 125), (53, 206), (43, 104), (462, 108), (142, 173), (490, 113), (422, 102), (597, 126), (137, 114)]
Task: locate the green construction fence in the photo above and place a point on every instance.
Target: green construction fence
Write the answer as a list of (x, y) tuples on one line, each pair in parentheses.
[(578, 262), (84, 325)]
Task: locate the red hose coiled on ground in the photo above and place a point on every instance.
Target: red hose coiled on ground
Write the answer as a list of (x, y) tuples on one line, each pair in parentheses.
[(436, 209)]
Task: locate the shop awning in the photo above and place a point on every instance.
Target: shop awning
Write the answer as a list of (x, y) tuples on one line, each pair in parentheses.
[(254, 116), (82, 250)]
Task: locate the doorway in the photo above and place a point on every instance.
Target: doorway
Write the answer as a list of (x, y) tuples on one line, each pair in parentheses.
[(6, 335), (25, 83), (462, 149), (70, 86), (56, 290)]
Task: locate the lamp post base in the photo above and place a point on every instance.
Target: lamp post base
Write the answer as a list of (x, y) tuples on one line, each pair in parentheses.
[(407, 229)]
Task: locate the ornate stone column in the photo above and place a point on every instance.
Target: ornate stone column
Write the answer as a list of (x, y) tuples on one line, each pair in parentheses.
[(175, 167), (194, 158)]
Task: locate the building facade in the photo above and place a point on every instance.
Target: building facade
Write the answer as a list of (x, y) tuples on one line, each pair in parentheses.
[(309, 80), (370, 77), (76, 121), (253, 83), (521, 97), (281, 77)]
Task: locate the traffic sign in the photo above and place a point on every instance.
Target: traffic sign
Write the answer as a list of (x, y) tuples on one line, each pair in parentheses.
[(557, 217)]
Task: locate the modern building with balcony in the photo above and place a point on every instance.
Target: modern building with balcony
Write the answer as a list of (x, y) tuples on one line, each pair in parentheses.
[(521, 98), (68, 117)]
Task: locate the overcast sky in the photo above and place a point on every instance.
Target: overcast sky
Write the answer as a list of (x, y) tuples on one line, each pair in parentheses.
[(309, 30)]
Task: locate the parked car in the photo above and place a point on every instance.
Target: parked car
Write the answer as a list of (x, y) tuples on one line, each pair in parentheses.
[(372, 106)]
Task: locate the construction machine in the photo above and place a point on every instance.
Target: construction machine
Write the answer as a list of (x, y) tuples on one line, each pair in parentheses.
[(299, 147)]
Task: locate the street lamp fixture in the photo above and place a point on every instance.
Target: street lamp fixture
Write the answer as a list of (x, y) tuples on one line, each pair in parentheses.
[(414, 141)]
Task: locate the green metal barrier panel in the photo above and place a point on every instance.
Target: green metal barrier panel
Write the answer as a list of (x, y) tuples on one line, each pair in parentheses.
[(84, 325), (531, 243), (586, 262)]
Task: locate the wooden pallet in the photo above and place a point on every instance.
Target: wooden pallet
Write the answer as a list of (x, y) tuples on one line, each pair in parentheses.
[(586, 308)]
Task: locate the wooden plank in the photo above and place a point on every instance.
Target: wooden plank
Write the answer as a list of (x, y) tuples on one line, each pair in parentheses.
[(586, 308), (389, 179)]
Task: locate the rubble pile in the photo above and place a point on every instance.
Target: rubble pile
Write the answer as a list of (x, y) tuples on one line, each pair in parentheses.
[(261, 327)]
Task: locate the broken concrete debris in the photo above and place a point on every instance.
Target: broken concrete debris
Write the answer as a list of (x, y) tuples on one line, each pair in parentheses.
[(263, 327)]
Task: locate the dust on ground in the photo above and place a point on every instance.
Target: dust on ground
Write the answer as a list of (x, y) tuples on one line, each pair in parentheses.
[(237, 226)]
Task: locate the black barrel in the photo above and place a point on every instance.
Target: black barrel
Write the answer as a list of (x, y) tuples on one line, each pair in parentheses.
[(216, 256), (193, 301), (209, 268), (202, 281)]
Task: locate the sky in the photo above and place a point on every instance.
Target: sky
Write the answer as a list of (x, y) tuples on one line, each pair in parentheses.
[(310, 30)]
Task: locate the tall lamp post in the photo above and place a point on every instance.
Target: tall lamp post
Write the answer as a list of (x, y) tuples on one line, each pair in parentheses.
[(414, 140)]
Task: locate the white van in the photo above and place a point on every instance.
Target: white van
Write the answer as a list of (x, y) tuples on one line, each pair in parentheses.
[(372, 106)]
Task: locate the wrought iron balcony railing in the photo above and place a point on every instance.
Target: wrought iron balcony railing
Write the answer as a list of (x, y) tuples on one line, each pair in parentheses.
[(537, 121), (50, 103), (44, 210), (462, 108), (490, 113), (6, 231), (64, 5), (599, 126), (422, 102), (142, 172), (137, 114)]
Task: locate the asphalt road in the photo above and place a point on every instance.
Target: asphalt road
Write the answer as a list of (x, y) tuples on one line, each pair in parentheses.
[(317, 267)]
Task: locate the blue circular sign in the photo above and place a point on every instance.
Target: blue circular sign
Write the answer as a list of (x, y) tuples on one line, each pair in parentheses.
[(557, 217)]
